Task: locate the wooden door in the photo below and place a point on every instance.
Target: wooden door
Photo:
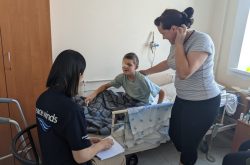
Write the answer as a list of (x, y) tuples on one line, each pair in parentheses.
[(27, 42), (25, 59), (5, 131)]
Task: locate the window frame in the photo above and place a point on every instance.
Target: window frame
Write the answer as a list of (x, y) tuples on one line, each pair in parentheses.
[(239, 28)]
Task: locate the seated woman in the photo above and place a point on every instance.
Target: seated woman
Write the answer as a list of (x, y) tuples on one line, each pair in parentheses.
[(61, 128)]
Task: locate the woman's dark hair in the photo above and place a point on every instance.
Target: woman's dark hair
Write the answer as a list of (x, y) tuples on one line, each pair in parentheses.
[(172, 17), (132, 56), (65, 72)]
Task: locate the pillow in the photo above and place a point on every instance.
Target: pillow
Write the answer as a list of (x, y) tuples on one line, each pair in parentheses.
[(162, 78)]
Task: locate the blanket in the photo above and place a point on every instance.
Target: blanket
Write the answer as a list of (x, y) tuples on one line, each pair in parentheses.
[(98, 113), (148, 124)]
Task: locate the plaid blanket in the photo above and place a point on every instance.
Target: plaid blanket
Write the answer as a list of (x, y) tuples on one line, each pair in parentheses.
[(98, 113)]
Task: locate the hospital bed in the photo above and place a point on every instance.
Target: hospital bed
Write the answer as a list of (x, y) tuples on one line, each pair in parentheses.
[(223, 122), (152, 123), (127, 137), (142, 135)]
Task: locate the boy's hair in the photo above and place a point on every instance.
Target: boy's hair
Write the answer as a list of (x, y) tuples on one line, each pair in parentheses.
[(132, 56), (65, 72)]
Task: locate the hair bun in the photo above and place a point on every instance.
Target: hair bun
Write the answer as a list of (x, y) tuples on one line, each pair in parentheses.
[(188, 12), (187, 15), (184, 14)]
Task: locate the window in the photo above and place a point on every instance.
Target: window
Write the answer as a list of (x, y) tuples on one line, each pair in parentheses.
[(244, 59), (239, 58)]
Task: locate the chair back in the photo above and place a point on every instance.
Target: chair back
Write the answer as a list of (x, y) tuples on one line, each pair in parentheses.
[(23, 147)]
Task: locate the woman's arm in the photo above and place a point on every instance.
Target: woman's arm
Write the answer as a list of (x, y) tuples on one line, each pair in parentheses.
[(90, 97), (87, 154), (161, 96), (162, 66), (186, 65)]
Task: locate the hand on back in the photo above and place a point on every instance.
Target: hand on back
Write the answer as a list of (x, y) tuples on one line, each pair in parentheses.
[(143, 72)]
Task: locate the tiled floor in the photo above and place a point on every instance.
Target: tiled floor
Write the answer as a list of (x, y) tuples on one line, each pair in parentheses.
[(166, 154)]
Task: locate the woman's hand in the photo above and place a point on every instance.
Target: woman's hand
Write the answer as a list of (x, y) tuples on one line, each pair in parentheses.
[(144, 72), (94, 140), (181, 34), (84, 155), (106, 143)]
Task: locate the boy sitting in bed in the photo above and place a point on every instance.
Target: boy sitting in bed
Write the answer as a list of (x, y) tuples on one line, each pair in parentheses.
[(137, 86)]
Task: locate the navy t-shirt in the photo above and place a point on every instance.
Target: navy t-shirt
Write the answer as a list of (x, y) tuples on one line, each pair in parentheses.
[(61, 128)]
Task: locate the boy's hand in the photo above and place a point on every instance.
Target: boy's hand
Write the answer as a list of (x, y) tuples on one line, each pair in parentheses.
[(89, 98), (161, 96)]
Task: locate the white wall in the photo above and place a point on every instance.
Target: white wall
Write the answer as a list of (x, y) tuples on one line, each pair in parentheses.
[(103, 31)]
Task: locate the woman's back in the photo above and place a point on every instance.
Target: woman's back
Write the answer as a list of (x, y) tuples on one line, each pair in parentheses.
[(57, 117)]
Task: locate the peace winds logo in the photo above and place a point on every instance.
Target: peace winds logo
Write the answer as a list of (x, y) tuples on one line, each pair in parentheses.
[(45, 118)]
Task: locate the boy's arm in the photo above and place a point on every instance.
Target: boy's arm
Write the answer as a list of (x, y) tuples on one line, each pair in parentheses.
[(90, 97), (161, 96)]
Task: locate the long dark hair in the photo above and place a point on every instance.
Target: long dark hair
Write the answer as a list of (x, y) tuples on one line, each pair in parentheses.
[(172, 17), (65, 72)]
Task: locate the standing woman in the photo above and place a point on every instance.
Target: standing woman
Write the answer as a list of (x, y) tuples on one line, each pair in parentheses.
[(198, 96), (61, 127)]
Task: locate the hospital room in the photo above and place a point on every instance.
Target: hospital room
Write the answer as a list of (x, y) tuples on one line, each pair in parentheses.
[(118, 82)]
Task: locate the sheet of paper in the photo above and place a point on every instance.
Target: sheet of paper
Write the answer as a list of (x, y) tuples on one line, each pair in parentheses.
[(113, 151)]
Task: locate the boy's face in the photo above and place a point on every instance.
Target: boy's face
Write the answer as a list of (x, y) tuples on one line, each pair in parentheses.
[(128, 66)]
